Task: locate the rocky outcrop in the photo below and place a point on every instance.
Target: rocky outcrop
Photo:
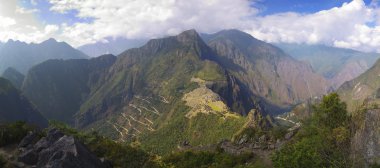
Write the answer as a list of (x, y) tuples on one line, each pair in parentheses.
[(366, 140), (57, 150)]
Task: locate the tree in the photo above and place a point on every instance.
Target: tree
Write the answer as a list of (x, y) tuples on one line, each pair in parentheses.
[(331, 112), (323, 141)]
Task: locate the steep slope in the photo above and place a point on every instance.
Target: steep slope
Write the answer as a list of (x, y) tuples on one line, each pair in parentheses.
[(144, 94), (366, 87), (14, 76), (59, 87), (266, 71), (174, 90), (23, 56), (15, 107), (111, 46), (336, 64)]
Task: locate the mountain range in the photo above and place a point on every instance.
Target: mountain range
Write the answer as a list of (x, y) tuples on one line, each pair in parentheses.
[(113, 46), (180, 83), (338, 65), (225, 90), (364, 88), (22, 56)]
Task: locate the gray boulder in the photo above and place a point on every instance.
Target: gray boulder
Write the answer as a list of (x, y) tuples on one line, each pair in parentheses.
[(57, 150)]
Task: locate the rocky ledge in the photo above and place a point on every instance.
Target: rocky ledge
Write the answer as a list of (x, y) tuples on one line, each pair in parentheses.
[(56, 150)]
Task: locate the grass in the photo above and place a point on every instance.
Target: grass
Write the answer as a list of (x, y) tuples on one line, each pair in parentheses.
[(217, 106)]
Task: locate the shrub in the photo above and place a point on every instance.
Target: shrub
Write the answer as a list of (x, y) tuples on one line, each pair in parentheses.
[(2, 161), (119, 154), (13, 133), (190, 159), (323, 141)]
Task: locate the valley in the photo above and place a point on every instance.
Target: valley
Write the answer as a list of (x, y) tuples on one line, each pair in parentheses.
[(223, 94)]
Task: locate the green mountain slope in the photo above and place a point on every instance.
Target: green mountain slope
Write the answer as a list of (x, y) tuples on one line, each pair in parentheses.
[(266, 71), (366, 87), (14, 76), (336, 64), (23, 56), (59, 87), (142, 95), (173, 90), (15, 107)]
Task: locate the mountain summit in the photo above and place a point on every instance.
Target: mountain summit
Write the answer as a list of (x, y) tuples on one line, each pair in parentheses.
[(23, 56), (178, 83)]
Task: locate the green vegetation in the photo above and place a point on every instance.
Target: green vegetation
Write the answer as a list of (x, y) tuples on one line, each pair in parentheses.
[(5, 86), (323, 141), (3, 162), (15, 107), (120, 155), (15, 77), (210, 72), (13, 133), (204, 129), (189, 159)]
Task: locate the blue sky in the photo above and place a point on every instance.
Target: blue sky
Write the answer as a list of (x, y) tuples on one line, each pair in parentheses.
[(47, 16), (266, 7), (351, 24), (300, 6)]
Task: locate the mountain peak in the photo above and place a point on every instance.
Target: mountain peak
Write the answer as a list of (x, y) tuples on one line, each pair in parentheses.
[(50, 40), (188, 36)]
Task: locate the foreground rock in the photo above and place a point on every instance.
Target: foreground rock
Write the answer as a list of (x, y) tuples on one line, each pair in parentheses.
[(366, 141), (57, 150)]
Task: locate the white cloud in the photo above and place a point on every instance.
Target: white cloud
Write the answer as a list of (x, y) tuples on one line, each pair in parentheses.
[(22, 10), (18, 23), (50, 29), (147, 18), (33, 2), (6, 22), (344, 26)]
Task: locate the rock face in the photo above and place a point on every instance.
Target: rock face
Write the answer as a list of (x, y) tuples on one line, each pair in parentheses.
[(57, 150), (366, 141)]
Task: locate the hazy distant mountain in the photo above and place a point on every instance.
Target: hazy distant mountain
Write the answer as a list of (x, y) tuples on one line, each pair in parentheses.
[(15, 107), (112, 46), (14, 76), (23, 56), (365, 86), (58, 87), (336, 64)]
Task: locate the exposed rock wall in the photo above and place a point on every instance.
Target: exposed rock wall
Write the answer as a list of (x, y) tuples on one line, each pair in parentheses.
[(366, 140)]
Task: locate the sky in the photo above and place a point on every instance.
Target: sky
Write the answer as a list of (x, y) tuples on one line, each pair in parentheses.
[(351, 24)]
